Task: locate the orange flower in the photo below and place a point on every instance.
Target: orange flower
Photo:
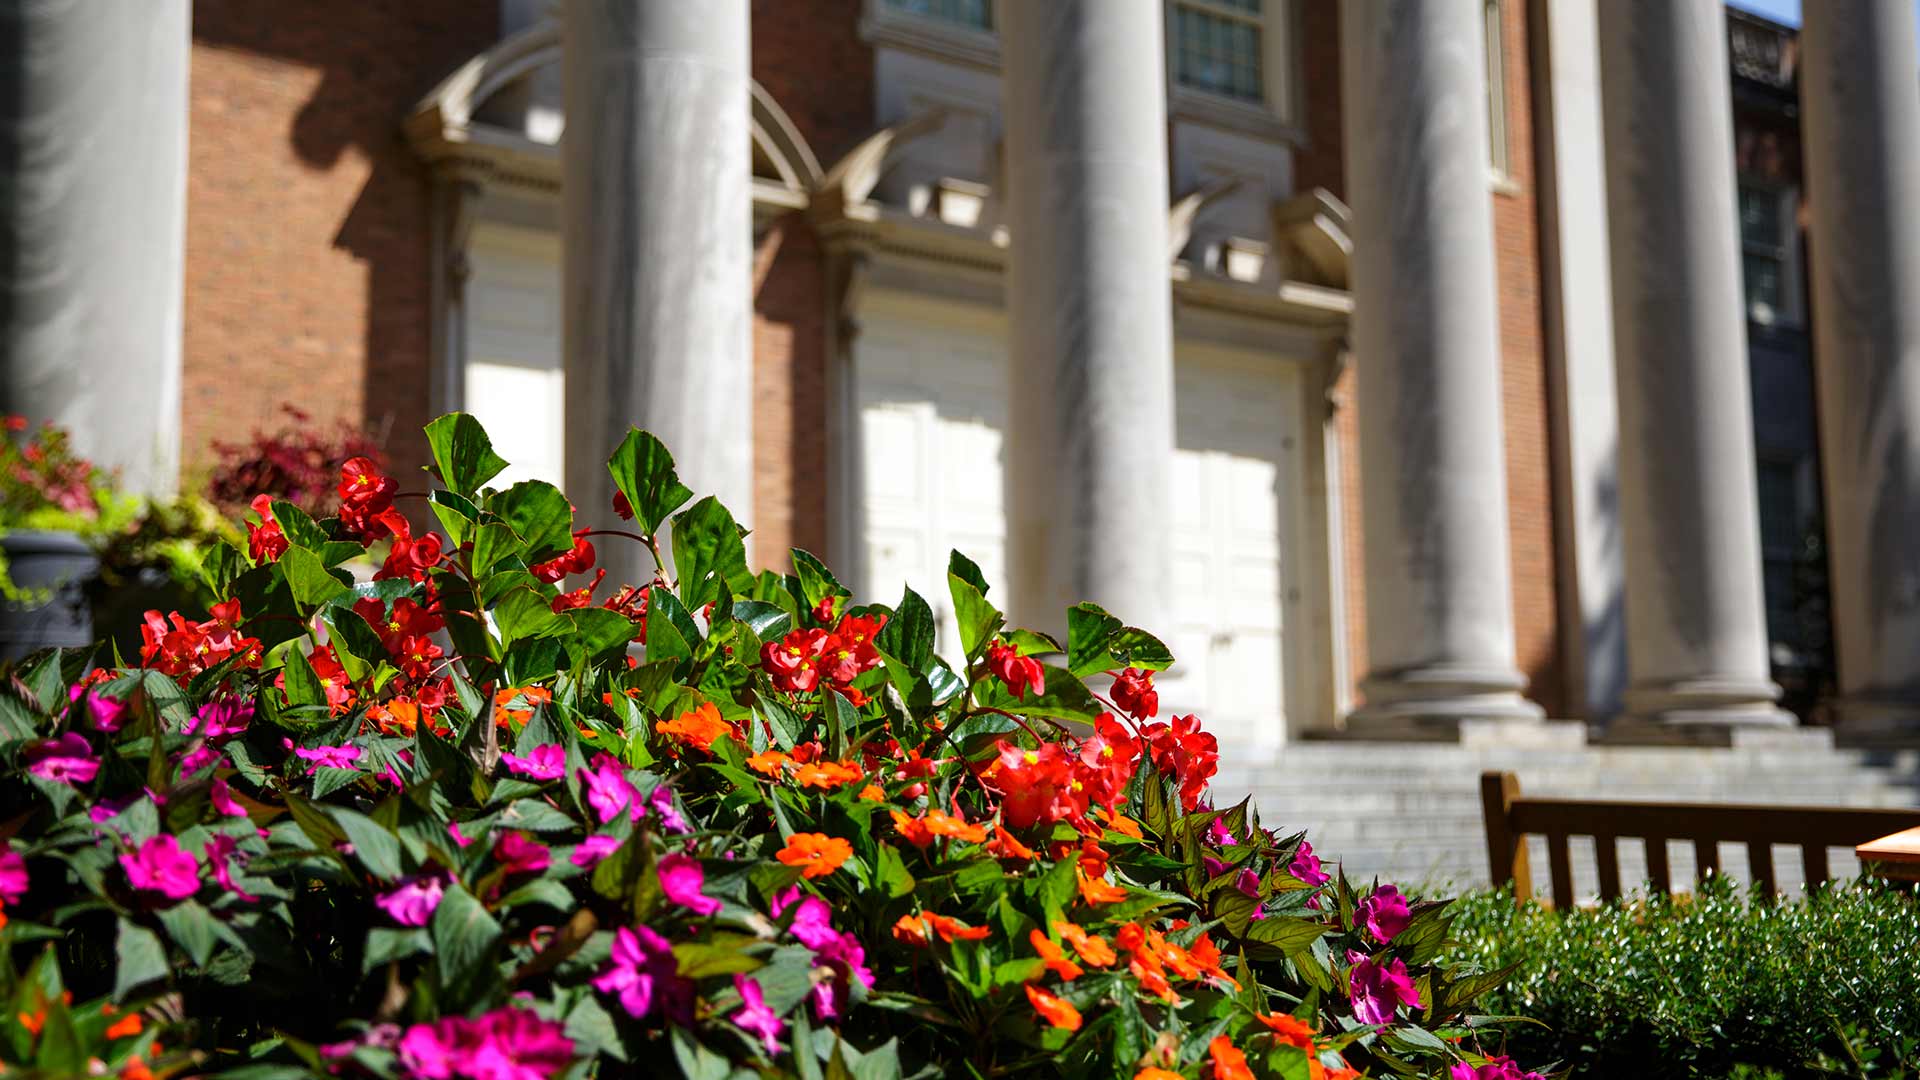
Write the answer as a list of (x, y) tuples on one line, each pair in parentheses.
[(768, 762), (1206, 954), (951, 930), (697, 728), (33, 1021), (396, 717), (910, 930), (912, 829), (1057, 1012), (136, 1068), (1098, 890), (941, 823), (1004, 846), (873, 793), (1094, 950), (816, 853), (528, 695), (1055, 959), (1289, 1030), (1120, 823), (1317, 1071), (125, 1026), (826, 774), (1228, 1062), (1152, 1073)]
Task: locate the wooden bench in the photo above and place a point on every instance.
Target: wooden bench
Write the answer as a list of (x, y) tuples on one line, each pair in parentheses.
[(1511, 818)]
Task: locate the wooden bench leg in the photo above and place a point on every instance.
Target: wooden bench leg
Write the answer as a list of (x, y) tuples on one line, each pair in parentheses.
[(1506, 850)]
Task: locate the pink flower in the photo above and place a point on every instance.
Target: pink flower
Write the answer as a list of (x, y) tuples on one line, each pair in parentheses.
[(1384, 912), (506, 1044), (329, 757), (593, 849), (1218, 834), (644, 975), (459, 838), (1378, 990), (67, 759), (1306, 866), (609, 792), (219, 849), (681, 879), (221, 717), (13, 876), (1496, 1068), (812, 922), (221, 796), (105, 713), (518, 853), (660, 801), (199, 760), (414, 901), (163, 866), (755, 1017), (541, 763)]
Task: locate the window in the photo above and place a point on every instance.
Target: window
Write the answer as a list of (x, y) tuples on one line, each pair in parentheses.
[(1767, 234), (973, 14), (1496, 39), (1782, 524), (1218, 48)]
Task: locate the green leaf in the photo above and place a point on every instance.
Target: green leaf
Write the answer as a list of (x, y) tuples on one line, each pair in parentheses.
[(308, 578), (351, 635), (525, 614), (1088, 627), (302, 684), (908, 635), (463, 453), (457, 514), (388, 943), (299, 529), (191, 927), (464, 935), (139, 959), (708, 554), (816, 581), (376, 848), (695, 1060), (978, 619), (892, 874), (1289, 935), (767, 621), (1134, 647), (725, 955), (643, 471), (539, 515), (966, 570)]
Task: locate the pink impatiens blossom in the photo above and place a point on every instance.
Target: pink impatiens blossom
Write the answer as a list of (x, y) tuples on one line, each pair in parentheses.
[(1496, 1068), (518, 853), (1378, 990), (609, 792), (219, 849), (103, 712), (506, 1044), (1306, 867), (13, 876), (415, 900), (1384, 912), (67, 759), (644, 975), (681, 879), (660, 801), (541, 763), (459, 838), (329, 757), (755, 1017), (162, 866), (593, 849), (199, 760), (221, 717), (221, 796), (812, 922)]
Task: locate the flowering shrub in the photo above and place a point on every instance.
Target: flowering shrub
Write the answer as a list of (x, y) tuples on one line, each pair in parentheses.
[(464, 821), (299, 462)]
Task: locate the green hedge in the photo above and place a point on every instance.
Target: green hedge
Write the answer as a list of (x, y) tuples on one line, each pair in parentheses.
[(1714, 985)]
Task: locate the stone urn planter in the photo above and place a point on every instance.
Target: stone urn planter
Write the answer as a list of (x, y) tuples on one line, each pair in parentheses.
[(52, 569)]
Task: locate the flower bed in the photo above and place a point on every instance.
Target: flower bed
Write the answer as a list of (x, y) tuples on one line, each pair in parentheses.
[(464, 821)]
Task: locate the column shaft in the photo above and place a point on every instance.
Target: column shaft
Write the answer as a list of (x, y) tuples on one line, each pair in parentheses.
[(1425, 334), (1090, 433), (93, 177), (1858, 71), (658, 233), (1696, 628)]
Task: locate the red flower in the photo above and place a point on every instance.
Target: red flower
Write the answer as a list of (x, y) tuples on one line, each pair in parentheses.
[(173, 646), (794, 661), (364, 487), (1133, 691), (857, 634), (265, 541), (1019, 672), (408, 619), (416, 656), (823, 611), (1032, 783), (630, 601), (1186, 753), (409, 558), (577, 561), (621, 506), (333, 679), (580, 597)]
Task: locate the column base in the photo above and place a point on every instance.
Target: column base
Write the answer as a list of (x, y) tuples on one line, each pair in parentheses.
[(1435, 703), (1708, 711), (1876, 723)]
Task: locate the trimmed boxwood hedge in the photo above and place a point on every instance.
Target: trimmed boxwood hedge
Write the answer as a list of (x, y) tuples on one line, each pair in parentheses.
[(1715, 984)]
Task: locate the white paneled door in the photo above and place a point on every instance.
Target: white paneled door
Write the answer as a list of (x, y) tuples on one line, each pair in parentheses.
[(514, 382)]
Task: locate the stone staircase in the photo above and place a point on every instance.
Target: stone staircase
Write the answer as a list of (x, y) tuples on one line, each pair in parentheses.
[(1410, 812)]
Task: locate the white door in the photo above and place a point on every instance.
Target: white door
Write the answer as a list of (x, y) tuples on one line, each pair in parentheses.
[(514, 382)]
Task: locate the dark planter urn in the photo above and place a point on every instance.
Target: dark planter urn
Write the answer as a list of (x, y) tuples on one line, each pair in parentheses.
[(53, 568)]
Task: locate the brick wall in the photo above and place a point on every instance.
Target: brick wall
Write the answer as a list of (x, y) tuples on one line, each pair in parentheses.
[(307, 234)]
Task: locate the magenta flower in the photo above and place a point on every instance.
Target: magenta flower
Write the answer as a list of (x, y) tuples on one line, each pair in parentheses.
[(609, 793), (681, 879), (199, 760), (1496, 1068), (459, 838), (13, 876), (218, 850), (593, 849), (1218, 834), (644, 975), (812, 922), (221, 717), (518, 853), (67, 759), (755, 1017), (329, 757), (660, 801), (506, 1044), (414, 901), (1306, 866), (221, 796), (1378, 990), (1384, 912), (105, 713), (541, 763), (163, 866)]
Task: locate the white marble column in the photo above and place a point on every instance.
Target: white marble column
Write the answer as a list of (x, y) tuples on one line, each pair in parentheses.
[(93, 180), (1427, 362), (1696, 626), (657, 213), (1858, 73), (1089, 444)]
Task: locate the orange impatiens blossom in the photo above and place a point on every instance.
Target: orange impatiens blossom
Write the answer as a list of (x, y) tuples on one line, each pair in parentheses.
[(1099, 890), (136, 1068), (1093, 949), (941, 823), (768, 762), (1005, 846), (1054, 957), (1207, 955), (1053, 1010), (529, 696), (1317, 1071), (911, 829), (827, 774), (696, 728), (912, 929), (1154, 1073), (123, 1027), (1289, 1030), (1228, 1062), (817, 854), (873, 793), (1120, 823)]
